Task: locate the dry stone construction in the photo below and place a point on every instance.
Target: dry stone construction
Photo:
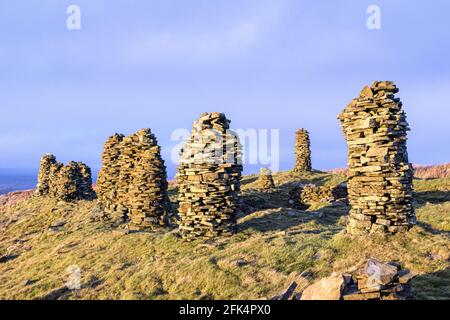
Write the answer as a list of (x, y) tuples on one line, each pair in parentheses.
[(379, 174), (304, 196), (208, 178), (265, 180), (132, 183), (302, 151), (64, 182)]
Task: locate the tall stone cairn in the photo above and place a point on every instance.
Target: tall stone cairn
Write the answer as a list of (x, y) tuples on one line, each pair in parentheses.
[(132, 184), (148, 198), (380, 175), (208, 178), (47, 166), (64, 182), (302, 151), (265, 180), (107, 181)]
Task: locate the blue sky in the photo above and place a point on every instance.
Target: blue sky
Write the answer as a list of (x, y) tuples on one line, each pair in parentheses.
[(272, 64)]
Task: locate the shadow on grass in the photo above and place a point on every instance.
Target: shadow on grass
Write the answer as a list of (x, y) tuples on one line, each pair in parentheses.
[(283, 219), (432, 286), (430, 229), (281, 215), (65, 293), (434, 197), (253, 200)]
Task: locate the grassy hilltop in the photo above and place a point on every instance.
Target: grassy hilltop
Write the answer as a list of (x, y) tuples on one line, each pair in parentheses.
[(275, 245)]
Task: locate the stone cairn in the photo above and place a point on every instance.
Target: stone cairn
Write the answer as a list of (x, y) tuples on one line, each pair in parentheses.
[(303, 197), (265, 180), (47, 168), (64, 182), (302, 151), (380, 175), (132, 184), (107, 181), (208, 179)]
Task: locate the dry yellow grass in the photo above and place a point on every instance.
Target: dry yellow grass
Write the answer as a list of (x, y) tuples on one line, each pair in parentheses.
[(275, 246)]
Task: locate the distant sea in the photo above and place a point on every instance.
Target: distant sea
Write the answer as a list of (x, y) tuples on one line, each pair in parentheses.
[(16, 180), (22, 179)]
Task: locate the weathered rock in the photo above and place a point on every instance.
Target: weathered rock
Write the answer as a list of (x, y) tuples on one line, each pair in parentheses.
[(64, 182), (379, 175), (375, 281), (329, 288), (378, 273)]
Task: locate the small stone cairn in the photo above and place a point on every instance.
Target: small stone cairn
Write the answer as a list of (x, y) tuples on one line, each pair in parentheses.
[(208, 179), (265, 180), (69, 182), (304, 196), (302, 152), (132, 184), (380, 175)]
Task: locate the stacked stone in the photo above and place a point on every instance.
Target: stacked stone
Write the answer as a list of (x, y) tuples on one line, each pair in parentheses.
[(209, 179), (132, 183), (148, 199), (130, 152), (302, 151), (108, 176), (307, 195), (85, 186), (46, 169), (379, 281), (265, 180), (375, 281), (68, 183), (74, 182), (380, 175)]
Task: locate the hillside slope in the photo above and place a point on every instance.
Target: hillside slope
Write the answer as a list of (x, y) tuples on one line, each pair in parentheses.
[(41, 240)]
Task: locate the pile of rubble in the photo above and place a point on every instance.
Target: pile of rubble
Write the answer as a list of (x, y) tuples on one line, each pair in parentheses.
[(265, 180), (375, 281), (208, 178), (132, 184), (380, 175), (305, 196), (64, 182), (302, 151)]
